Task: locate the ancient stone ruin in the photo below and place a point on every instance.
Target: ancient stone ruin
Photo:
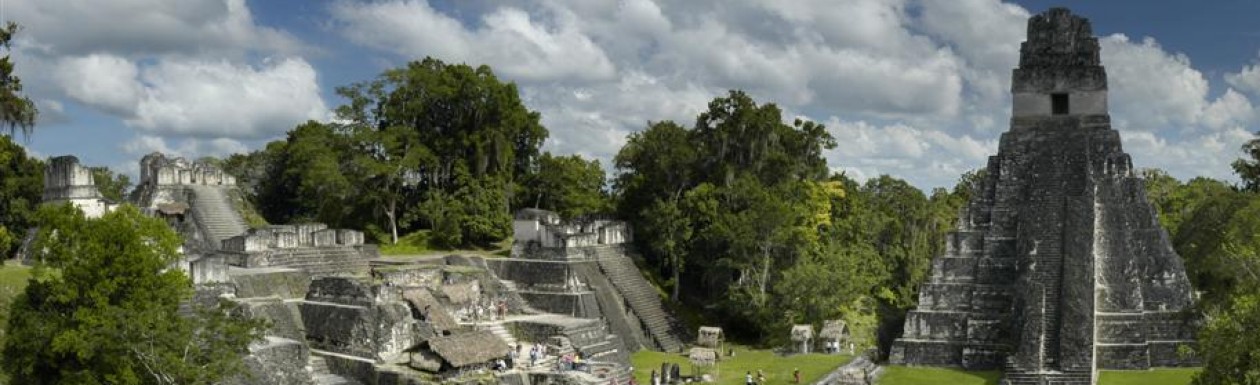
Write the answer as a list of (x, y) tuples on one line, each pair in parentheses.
[(67, 181), (341, 314), (1059, 266)]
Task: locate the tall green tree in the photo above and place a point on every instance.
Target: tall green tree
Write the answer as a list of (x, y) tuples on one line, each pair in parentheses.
[(569, 185), (105, 310), (307, 182), (1228, 343), (434, 126), (1248, 167), (727, 205), (21, 190), (16, 111), (112, 186)]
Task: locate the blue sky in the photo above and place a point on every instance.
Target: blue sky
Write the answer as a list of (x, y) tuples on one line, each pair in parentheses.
[(913, 88)]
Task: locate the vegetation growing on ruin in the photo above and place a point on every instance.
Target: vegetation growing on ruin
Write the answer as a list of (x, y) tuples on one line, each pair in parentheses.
[(109, 313)]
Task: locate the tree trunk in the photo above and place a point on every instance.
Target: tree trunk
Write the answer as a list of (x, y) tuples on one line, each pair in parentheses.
[(765, 271), (677, 279), (393, 220)]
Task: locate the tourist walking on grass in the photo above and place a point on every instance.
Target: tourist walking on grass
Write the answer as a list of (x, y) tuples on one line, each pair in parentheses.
[(748, 380), (796, 375)]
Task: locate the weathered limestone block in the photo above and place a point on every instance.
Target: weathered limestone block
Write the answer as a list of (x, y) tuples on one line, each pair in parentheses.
[(349, 237), (324, 238), (347, 291), (379, 332), (275, 361), (248, 243), (284, 318), (265, 282), (304, 231), (409, 275), (286, 240)]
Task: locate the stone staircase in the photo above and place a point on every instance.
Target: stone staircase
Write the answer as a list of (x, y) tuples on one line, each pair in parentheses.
[(642, 298), (1055, 378), (318, 367), (321, 261), (498, 330), (215, 213)]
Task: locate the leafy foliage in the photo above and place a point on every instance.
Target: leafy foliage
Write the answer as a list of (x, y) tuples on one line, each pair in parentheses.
[(1248, 168), (427, 146), (569, 185), (16, 111), (21, 190), (103, 308), (112, 186)]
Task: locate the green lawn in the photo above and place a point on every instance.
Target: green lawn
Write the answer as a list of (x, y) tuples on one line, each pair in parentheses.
[(1178, 376), (920, 375), (419, 244), (778, 369), (907, 375)]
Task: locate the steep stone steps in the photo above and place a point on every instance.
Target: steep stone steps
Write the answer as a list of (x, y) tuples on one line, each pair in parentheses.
[(1063, 378), (215, 213), (318, 367), (642, 298), (500, 331)]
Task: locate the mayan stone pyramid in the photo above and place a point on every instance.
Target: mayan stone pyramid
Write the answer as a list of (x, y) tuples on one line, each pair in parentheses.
[(1059, 266)]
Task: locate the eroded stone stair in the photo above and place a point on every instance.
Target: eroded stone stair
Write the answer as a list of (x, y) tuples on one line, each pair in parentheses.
[(318, 367), (215, 213), (642, 298)]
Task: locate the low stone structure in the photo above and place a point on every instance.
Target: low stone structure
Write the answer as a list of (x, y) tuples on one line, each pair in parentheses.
[(1059, 266), (158, 170), (582, 268), (65, 180), (310, 246), (541, 228)]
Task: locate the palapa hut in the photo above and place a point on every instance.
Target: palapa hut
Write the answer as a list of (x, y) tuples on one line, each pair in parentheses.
[(459, 352), (427, 308), (462, 293), (834, 335), (802, 337), (710, 337), (702, 358)]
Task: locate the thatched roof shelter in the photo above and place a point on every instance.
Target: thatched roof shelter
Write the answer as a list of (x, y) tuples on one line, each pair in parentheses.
[(433, 312), (702, 356), (802, 332), (460, 293), (174, 208), (834, 330), (710, 336), (470, 348)]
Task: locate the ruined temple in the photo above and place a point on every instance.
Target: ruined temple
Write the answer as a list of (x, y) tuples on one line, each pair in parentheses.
[(1059, 266), (65, 180)]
